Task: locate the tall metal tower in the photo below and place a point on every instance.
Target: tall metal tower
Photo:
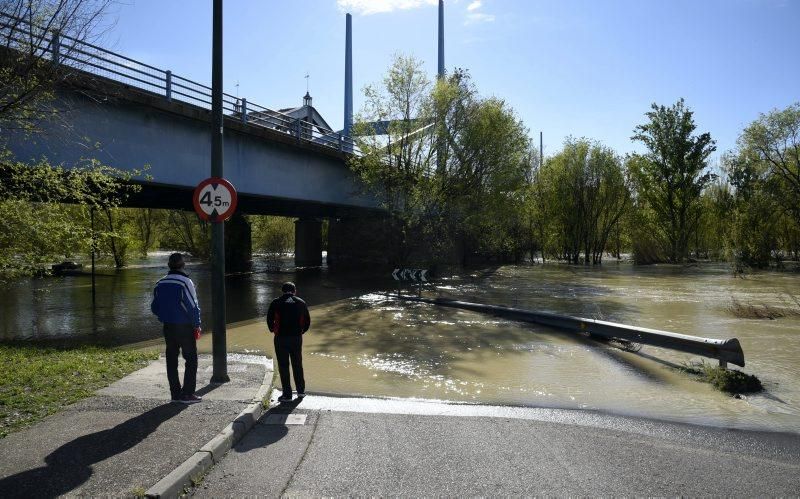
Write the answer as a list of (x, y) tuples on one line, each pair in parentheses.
[(348, 76), (440, 72)]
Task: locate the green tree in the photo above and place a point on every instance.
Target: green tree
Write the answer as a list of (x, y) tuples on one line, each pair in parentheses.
[(450, 170), (771, 148), (396, 167), (146, 223), (184, 231), (586, 194), (718, 205), (759, 216), (482, 172), (44, 228), (671, 176), (273, 236), (28, 79)]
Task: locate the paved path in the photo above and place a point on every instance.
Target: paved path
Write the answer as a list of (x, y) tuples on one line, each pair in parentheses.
[(127, 437), (373, 447)]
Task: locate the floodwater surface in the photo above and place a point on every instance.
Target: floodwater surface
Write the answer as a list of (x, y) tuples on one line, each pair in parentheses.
[(364, 341), (376, 345)]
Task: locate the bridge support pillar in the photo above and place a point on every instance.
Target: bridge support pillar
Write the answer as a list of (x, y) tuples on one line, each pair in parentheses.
[(308, 242), (359, 243), (238, 244)]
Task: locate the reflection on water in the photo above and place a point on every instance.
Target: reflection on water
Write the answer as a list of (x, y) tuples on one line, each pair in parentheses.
[(364, 342), (61, 307), (375, 345)]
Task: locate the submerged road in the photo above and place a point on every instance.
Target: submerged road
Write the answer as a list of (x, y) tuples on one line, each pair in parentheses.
[(381, 447)]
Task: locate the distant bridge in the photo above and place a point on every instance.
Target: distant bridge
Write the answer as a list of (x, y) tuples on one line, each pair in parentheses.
[(128, 114)]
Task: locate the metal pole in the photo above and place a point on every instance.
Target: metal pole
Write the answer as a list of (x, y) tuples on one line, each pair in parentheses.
[(94, 292), (219, 344), (441, 39), (348, 75), (440, 146), (541, 150)]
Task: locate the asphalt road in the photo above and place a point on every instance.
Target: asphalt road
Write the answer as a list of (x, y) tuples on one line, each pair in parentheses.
[(372, 447), (124, 439)]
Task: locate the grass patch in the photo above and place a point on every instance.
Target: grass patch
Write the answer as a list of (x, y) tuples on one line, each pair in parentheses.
[(726, 380), (38, 381), (761, 311), (139, 492)]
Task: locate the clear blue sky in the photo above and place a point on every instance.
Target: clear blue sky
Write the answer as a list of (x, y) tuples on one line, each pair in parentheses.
[(568, 67)]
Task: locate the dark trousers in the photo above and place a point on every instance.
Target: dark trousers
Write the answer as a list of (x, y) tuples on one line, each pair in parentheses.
[(286, 348), (181, 337)]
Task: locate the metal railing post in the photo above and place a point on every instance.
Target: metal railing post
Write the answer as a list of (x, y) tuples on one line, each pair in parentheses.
[(244, 110), (297, 129), (55, 45), (169, 86), (340, 142)]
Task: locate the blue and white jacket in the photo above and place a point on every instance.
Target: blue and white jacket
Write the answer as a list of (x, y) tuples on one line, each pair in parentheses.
[(175, 300)]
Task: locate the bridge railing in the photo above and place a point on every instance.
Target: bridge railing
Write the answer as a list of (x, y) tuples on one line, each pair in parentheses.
[(64, 50)]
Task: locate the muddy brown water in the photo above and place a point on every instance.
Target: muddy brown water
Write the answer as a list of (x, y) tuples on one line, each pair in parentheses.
[(365, 342)]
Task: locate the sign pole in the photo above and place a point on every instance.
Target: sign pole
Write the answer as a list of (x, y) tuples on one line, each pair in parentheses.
[(94, 249), (219, 343)]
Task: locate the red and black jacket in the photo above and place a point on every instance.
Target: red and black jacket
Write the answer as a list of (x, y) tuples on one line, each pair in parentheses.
[(288, 316)]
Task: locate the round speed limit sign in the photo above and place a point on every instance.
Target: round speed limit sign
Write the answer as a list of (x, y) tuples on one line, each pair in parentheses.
[(215, 199)]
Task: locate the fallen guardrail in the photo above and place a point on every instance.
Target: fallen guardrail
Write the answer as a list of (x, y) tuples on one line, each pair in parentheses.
[(723, 350)]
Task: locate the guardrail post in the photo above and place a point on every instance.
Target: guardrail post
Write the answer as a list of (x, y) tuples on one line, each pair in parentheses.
[(55, 46), (169, 86), (297, 129), (244, 110), (340, 142)]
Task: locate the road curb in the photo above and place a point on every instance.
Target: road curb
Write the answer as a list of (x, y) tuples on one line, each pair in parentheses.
[(190, 471)]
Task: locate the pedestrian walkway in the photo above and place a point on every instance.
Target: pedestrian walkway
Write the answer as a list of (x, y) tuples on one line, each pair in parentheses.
[(128, 436), (349, 446)]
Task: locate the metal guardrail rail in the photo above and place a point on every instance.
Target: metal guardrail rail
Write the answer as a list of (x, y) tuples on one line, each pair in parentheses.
[(723, 350), (62, 49)]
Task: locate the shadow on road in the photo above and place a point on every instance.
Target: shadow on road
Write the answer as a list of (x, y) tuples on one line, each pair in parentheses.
[(264, 435), (70, 466)]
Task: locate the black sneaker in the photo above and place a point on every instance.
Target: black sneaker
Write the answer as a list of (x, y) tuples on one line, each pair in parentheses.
[(190, 399), (301, 394), (285, 398)]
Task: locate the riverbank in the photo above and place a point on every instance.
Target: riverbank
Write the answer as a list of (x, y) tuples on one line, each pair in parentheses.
[(38, 381)]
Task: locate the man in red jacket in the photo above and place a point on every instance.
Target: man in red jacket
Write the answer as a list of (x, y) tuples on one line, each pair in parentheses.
[(288, 319)]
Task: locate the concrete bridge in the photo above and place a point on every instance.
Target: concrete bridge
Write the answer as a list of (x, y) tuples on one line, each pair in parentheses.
[(131, 115)]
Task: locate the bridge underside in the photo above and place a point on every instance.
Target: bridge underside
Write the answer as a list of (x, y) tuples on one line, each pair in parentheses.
[(274, 172), (169, 197)]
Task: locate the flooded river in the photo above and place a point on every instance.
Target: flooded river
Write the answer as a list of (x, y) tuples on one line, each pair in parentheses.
[(365, 342)]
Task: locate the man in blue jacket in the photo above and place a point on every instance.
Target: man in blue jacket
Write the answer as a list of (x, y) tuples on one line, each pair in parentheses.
[(288, 320), (175, 304)]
